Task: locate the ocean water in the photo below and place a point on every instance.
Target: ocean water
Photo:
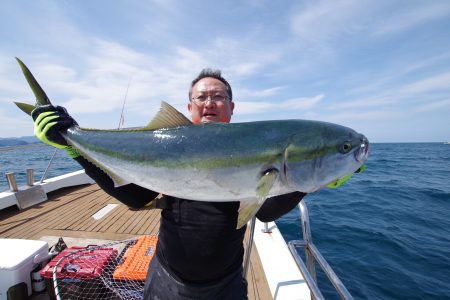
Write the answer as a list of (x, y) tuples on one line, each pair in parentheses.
[(386, 232), (35, 156)]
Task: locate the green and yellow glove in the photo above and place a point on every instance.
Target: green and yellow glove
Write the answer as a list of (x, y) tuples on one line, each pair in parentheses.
[(340, 181), (49, 121)]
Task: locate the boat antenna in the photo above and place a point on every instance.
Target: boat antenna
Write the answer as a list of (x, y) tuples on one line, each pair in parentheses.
[(122, 119)]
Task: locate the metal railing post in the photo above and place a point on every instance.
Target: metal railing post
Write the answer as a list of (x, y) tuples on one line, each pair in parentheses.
[(30, 177), (308, 270), (11, 178), (266, 228), (310, 264)]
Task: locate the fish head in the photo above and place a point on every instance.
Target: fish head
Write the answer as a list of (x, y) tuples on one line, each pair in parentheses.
[(324, 154)]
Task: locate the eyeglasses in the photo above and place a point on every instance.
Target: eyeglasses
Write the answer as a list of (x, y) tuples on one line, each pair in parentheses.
[(215, 98)]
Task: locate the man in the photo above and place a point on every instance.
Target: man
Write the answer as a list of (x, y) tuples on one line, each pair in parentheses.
[(196, 257)]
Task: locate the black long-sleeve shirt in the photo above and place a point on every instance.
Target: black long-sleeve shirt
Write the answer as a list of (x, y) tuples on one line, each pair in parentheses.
[(198, 241)]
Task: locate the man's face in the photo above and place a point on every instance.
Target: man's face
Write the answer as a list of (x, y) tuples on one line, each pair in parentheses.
[(210, 111)]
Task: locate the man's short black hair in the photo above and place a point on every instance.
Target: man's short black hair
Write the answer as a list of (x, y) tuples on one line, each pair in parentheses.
[(217, 74)]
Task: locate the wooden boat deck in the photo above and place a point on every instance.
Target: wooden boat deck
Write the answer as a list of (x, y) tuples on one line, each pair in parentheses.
[(68, 213)]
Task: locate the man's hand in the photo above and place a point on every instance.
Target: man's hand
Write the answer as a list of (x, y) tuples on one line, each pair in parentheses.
[(49, 121)]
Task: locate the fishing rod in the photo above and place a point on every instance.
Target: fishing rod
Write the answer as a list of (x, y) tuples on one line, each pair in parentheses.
[(121, 119)]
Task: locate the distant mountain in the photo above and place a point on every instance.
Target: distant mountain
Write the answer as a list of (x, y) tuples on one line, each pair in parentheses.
[(18, 141)]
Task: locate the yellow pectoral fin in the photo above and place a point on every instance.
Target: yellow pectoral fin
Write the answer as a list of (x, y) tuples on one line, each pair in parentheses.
[(265, 184), (246, 212), (248, 209)]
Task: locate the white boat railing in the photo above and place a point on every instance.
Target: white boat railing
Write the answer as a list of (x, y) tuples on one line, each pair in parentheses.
[(312, 254)]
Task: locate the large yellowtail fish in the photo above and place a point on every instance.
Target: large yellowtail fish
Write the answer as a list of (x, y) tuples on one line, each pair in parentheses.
[(245, 162)]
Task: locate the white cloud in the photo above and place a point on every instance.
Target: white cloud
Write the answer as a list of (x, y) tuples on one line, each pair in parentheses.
[(187, 59), (301, 103), (296, 104), (10, 123), (431, 84), (327, 27), (246, 93), (396, 72), (246, 69), (436, 105), (246, 107), (100, 85), (419, 90), (346, 117), (321, 22), (412, 16), (241, 58)]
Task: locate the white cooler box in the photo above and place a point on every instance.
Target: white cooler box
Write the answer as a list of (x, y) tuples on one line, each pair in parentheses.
[(17, 259)]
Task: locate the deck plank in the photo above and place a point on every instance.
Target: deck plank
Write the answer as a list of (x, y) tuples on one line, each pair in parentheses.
[(38, 220), (88, 221), (10, 218), (81, 210), (108, 220), (153, 226)]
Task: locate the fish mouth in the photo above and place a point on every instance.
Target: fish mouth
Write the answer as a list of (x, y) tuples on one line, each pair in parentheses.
[(363, 152)]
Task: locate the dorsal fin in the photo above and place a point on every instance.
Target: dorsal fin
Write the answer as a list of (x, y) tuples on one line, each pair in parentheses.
[(167, 117)]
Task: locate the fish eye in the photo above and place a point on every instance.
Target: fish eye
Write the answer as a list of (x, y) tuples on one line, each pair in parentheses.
[(346, 147)]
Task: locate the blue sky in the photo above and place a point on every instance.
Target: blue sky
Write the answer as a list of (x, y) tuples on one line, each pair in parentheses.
[(379, 67)]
